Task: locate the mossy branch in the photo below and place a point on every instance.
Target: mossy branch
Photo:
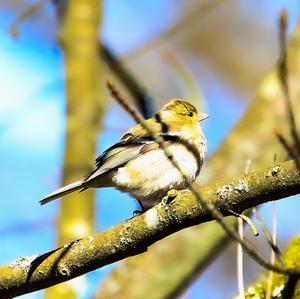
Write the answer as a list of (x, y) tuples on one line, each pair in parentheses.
[(281, 286), (178, 268), (85, 109), (134, 236)]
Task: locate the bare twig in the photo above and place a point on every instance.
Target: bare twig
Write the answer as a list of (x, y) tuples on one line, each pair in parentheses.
[(187, 80), (283, 76), (272, 258), (28, 12), (269, 237), (240, 270), (247, 246), (242, 216), (247, 220), (128, 107), (290, 149), (142, 98), (196, 14)]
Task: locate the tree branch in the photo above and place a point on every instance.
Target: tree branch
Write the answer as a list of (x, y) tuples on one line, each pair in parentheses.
[(207, 205), (134, 236), (142, 98), (264, 115), (86, 106)]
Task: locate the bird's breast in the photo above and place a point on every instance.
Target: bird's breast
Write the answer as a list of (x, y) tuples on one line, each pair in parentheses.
[(152, 173)]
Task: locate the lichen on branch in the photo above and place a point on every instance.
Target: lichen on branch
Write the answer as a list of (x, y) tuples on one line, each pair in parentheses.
[(135, 235)]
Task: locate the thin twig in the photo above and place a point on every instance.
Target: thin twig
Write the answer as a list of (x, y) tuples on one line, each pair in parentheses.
[(142, 98), (247, 246), (196, 14), (290, 150), (268, 237), (240, 270), (128, 107), (247, 220), (28, 12), (283, 76), (242, 216), (272, 258)]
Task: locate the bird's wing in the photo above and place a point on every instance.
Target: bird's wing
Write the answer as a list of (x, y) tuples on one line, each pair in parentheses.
[(121, 153)]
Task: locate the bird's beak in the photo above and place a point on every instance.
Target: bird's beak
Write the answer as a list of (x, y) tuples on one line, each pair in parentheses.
[(202, 116)]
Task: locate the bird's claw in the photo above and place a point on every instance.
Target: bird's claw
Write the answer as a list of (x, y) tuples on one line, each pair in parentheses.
[(171, 195), (136, 213)]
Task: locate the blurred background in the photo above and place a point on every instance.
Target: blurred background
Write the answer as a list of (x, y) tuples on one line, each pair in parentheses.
[(214, 53)]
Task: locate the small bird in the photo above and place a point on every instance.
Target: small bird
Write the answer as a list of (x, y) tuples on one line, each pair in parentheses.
[(137, 165)]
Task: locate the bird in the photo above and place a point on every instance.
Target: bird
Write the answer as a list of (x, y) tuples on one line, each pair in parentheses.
[(137, 164)]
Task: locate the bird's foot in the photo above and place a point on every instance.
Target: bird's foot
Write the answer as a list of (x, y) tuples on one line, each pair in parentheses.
[(171, 195), (136, 213)]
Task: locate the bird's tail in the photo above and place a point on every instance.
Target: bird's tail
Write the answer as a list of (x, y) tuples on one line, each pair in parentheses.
[(62, 192)]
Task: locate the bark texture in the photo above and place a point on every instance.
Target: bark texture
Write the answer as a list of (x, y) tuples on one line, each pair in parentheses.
[(134, 236), (252, 138)]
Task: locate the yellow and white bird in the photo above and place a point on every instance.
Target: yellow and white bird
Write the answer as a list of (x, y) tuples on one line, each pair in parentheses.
[(137, 165)]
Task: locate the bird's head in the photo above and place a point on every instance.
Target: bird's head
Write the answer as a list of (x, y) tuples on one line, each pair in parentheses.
[(182, 113)]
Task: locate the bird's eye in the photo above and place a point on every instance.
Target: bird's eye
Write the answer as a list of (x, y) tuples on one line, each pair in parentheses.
[(191, 114)]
